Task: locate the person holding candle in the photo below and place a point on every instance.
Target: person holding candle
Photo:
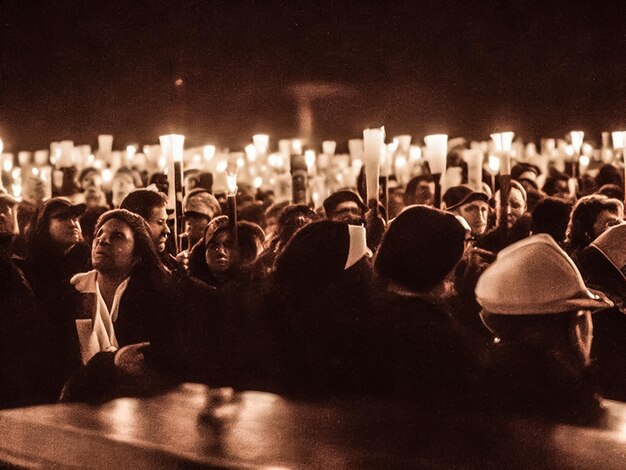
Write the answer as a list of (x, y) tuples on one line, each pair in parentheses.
[(199, 208), (230, 344), (151, 205)]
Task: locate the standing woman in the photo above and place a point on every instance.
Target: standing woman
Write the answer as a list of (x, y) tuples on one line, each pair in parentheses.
[(119, 310)]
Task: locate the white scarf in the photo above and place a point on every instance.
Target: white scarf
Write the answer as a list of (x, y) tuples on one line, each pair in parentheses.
[(97, 334)]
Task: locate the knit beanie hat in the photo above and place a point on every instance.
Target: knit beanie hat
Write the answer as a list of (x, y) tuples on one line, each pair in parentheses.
[(422, 245)]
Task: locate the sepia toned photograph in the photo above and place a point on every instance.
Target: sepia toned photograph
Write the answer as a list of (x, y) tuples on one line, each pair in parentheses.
[(331, 234)]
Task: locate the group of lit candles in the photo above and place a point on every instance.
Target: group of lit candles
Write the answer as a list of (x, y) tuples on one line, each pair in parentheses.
[(327, 171)]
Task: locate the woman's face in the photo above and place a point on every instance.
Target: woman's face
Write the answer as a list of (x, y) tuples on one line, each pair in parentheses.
[(64, 230), (516, 207), (113, 248), (605, 220), (220, 253)]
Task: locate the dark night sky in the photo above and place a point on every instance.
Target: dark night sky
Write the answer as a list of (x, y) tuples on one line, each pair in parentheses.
[(74, 69)]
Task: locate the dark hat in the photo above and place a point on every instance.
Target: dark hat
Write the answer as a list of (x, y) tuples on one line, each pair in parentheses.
[(320, 252), (456, 196), (332, 201), (201, 201), (60, 207), (521, 168), (422, 245), (86, 171)]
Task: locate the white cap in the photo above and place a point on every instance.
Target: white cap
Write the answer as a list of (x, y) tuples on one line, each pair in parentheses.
[(535, 276)]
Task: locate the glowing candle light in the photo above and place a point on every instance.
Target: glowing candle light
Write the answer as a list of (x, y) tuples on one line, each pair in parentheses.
[(208, 152), (1, 146), (7, 162), (310, 158), (502, 142), (107, 175), (493, 164), (251, 152), (618, 139), (261, 143), (296, 146), (577, 140), (257, 182), (415, 153), (373, 151), (130, 152), (329, 147), (404, 143), (437, 151)]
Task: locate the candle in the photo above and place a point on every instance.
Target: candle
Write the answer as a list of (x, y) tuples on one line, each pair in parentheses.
[(618, 140), (251, 152), (296, 146), (284, 148), (474, 159), (437, 152), (373, 150), (415, 153), (577, 140), (105, 143), (355, 149), (261, 143), (309, 158), (404, 143), (329, 147), (130, 152), (502, 142), (493, 164)]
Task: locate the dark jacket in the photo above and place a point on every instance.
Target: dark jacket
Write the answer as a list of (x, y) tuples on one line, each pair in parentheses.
[(425, 358), (145, 313), (22, 351), (523, 380)]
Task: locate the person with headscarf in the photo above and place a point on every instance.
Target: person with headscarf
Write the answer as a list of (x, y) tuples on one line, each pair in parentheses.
[(319, 307)]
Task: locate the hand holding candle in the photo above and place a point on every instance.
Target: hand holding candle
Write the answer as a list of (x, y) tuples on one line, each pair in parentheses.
[(373, 148)]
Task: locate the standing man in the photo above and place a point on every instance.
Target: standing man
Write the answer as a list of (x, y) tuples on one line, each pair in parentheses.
[(151, 205)]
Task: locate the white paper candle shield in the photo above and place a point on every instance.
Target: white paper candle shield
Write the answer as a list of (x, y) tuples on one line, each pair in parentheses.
[(329, 147), (373, 150), (437, 151)]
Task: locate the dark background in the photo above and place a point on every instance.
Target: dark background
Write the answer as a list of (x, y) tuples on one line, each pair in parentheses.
[(74, 69)]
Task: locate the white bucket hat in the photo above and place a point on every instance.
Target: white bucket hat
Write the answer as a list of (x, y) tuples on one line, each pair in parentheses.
[(535, 276)]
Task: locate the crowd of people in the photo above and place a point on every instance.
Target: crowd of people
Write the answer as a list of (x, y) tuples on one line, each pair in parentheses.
[(507, 311)]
